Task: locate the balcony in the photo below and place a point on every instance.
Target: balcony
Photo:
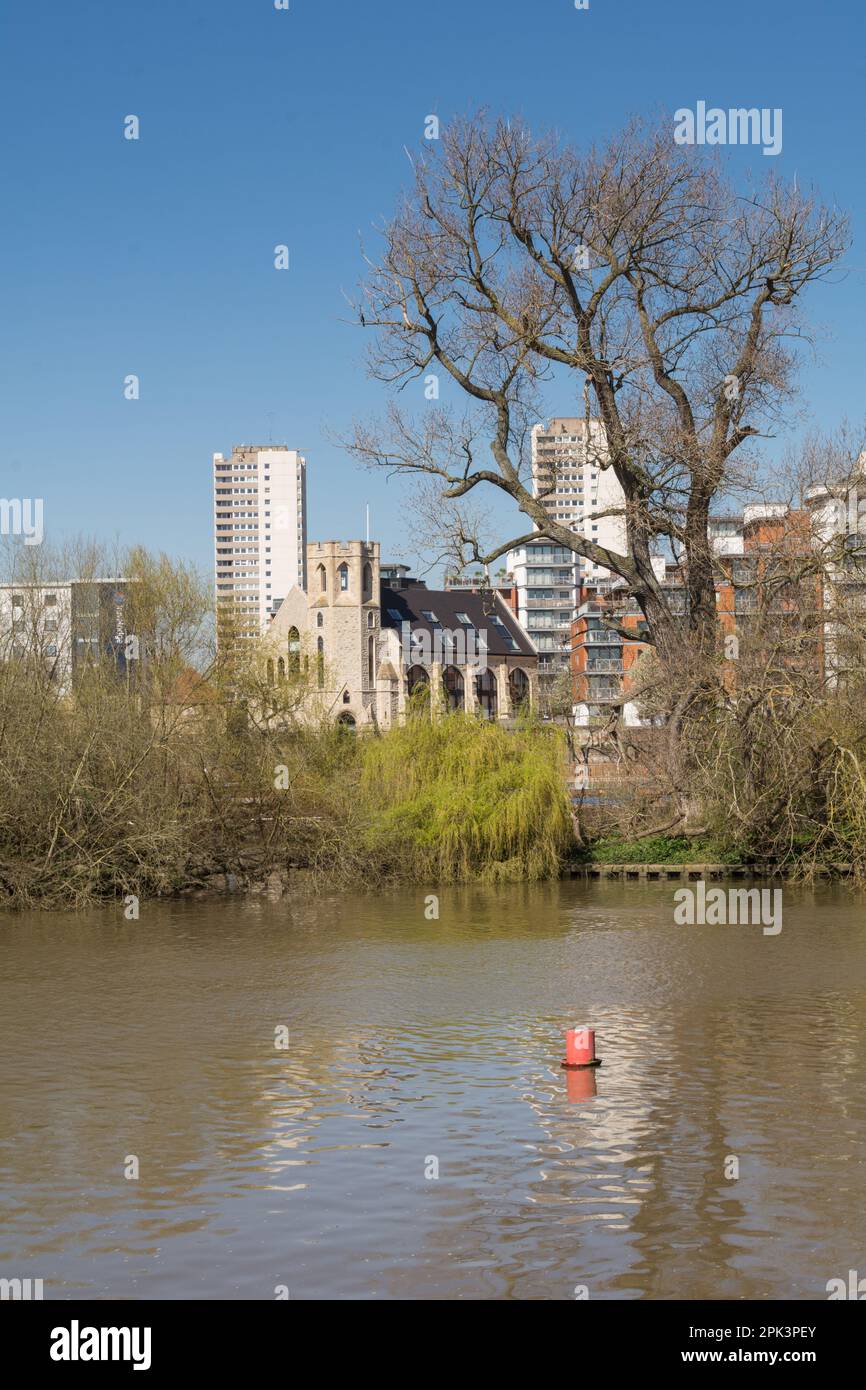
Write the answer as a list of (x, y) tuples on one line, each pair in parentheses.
[(603, 668)]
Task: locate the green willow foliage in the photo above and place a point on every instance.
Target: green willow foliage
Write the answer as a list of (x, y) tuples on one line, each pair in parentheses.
[(459, 799)]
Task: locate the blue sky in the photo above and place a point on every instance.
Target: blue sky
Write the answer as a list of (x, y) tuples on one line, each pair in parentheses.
[(261, 127)]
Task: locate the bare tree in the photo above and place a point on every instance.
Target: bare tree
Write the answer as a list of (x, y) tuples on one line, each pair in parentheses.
[(638, 278)]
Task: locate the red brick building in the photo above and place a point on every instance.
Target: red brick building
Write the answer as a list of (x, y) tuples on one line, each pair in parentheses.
[(770, 594)]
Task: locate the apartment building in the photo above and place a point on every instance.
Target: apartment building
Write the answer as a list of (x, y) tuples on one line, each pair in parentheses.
[(546, 581), (607, 637), (568, 476), (67, 624), (776, 594), (483, 584), (260, 534), (576, 491)]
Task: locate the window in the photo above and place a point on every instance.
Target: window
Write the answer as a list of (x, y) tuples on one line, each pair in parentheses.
[(294, 649), (323, 579), (465, 619), (343, 572), (429, 616), (320, 621), (371, 619), (320, 663), (518, 687), (347, 698), (368, 581), (395, 614), (371, 660)]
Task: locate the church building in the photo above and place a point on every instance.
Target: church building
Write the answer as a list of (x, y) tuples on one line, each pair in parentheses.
[(374, 639)]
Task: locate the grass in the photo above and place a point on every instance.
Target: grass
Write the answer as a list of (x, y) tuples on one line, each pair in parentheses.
[(663, 849)]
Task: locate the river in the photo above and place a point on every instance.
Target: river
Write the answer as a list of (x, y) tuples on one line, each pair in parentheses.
[(341, 1098)]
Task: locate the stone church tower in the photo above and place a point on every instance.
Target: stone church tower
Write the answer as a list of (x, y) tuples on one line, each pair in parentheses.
[(345, 620)]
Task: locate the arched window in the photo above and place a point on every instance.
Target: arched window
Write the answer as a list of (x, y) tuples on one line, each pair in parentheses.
[(452, 682), (281, 670), (485, 693), (346, 723), (343, 573), (416, 676), (347, 697), (323, 579), (518, 687), (294, 649), (368, 581), (371, 661), (418, 689), (371, 619), (320, 663), (270, 671), (320, 621)]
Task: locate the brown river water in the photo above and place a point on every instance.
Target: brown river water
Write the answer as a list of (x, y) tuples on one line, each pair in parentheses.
[(419, 1045)]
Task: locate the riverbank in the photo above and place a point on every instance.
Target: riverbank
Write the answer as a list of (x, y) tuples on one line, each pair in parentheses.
[(138, 803), (649, 872), (276, 884), (158, 791)]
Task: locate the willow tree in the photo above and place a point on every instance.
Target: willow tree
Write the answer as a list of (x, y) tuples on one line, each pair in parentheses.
[(665, 304)]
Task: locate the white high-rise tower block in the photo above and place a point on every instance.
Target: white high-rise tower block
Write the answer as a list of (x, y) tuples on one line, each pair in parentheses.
[(260, 532)]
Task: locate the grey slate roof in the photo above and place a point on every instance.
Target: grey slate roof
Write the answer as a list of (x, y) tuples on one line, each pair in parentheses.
[(408, 604)]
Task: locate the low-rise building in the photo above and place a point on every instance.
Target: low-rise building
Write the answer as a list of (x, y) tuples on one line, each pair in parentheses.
[(67, 624)]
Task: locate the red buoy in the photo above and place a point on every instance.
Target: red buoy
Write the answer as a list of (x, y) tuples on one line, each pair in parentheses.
[(580, 1048)]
